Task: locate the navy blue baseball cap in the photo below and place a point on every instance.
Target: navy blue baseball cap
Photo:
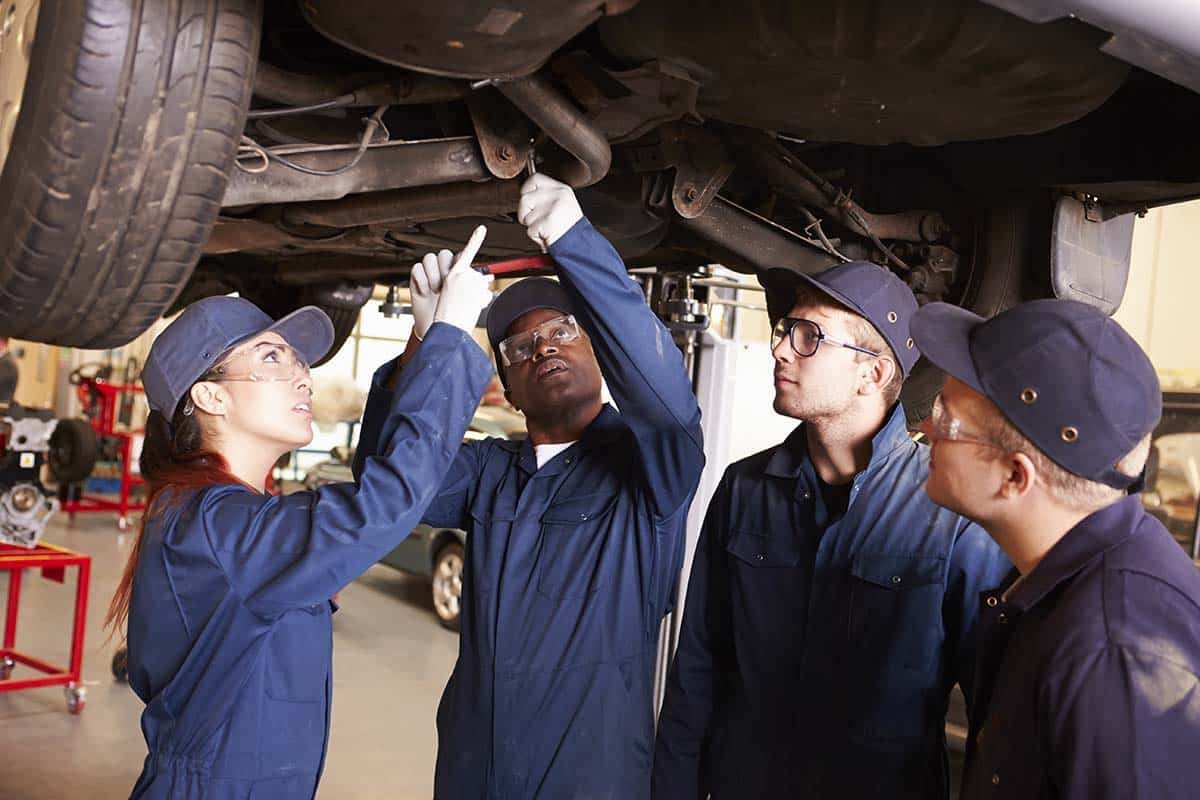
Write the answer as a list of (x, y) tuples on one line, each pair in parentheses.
[(519, 299), (192, 344), (867, 289), (1062, 372)]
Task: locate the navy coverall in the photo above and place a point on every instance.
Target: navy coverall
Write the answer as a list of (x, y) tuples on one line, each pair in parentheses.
[(571, 567), (1088, 682), (230, 644), (817, 652)]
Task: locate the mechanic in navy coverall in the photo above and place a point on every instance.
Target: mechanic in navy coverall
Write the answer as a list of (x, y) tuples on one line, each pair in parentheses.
[(227, 591), (1087, 683), (831, 605), (575, 536)]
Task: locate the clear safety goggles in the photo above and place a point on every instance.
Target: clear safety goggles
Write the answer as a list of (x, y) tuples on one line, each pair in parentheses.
[(266, 361), (940, 425), (521, 347), (806, 337)]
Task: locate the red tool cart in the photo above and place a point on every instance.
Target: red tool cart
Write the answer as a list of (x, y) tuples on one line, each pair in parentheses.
[(105, 404), (53, 562)]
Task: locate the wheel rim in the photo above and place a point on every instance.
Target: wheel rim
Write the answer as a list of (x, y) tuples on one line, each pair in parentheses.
[(18, 23), (447, 586)]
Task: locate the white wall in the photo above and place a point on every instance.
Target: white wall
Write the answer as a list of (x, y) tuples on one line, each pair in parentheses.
[(1160, 308)]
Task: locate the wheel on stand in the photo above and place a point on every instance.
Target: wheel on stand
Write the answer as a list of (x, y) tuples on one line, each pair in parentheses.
[(76, 697), (6, 668), (120, 664)]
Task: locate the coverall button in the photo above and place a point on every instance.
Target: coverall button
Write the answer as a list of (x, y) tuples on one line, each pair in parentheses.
[(991, 601), (896, 579), (583, 516), (1002, 618), (760, 556), (995, 779)]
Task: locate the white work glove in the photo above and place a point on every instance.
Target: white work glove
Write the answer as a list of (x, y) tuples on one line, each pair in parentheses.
[(425, 286), (465, 292), (547, 209)]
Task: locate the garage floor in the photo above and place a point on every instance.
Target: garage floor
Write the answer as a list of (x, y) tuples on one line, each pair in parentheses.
[(391, 661)]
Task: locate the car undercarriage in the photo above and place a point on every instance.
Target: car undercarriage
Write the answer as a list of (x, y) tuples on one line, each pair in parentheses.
[(303, 153)]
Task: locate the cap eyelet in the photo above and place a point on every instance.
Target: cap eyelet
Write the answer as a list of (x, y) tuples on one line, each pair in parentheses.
[(1069, 433), (1029, 395), (204, 354), (892, 316), (909, 344)]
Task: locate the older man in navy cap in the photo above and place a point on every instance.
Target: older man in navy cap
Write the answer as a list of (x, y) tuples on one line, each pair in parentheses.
[(575, 535), (831, 605), (1090, 649)]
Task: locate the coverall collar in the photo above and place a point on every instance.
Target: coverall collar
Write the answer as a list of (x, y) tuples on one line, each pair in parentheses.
[(788, 460), (599, 432), (1095, 534)]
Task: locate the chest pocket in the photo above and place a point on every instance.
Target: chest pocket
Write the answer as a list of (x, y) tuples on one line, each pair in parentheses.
[(299, 654), (761, 550), (575, 533), (896, 615)]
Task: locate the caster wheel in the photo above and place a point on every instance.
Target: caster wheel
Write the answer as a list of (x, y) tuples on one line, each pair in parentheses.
[(120, 664), (76, 698), (6, 668)]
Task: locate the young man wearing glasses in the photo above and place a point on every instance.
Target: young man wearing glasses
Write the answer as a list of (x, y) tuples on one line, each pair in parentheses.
[(1089, 651), (831, 605), (575, 536)]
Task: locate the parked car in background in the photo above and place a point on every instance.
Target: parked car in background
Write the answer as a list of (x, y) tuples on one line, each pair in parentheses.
[(434, 553), (1172, 491)]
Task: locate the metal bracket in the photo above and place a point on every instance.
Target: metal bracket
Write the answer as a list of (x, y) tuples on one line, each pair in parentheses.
[(505, 134), (702, 165)]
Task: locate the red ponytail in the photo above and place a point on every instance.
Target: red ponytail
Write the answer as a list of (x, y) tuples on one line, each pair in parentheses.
[(169, 462)]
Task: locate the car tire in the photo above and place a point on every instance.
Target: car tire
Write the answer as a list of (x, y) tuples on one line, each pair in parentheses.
[(448, 566), (128, 125), (1010, 262), (74, 448)]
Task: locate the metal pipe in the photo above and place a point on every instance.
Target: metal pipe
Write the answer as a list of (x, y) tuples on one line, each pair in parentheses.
[(760, 246), (394, 165), (565, 125), (422, 204), (793, 178), (386, 87)]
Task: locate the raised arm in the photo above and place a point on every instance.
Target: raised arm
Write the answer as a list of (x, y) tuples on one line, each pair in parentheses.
[(638, 357)]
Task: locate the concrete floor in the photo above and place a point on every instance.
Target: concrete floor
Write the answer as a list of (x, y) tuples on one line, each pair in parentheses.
[(391, 661)]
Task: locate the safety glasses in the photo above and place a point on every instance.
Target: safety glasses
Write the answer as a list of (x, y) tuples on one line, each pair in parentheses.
[(521, 347), (941, 426), (806, 337), (265, 361)]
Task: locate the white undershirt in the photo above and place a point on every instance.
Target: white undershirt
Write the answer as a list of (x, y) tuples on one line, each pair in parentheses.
[(545, 452)]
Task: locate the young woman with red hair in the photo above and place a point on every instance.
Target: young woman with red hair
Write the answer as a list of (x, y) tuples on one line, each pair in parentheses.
[(227, 591)]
